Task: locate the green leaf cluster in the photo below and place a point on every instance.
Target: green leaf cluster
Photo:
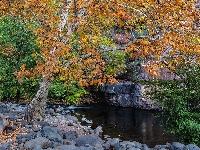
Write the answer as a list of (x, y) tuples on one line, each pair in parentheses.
[(115, 62), (106, 42), (17, 44), (69, 94), (180, 100)]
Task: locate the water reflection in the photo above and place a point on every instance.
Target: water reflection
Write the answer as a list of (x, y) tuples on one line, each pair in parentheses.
[(127, 123)]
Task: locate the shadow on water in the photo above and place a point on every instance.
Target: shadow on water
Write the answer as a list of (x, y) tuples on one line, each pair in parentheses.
[(126, 123)]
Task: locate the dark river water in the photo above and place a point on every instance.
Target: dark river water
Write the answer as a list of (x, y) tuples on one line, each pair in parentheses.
[(126, 123)]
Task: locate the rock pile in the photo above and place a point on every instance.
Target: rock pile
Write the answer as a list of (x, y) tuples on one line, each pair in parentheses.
[(61, 130)]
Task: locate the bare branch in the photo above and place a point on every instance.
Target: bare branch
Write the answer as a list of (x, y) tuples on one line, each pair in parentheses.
[(72, 61), (136, 10)]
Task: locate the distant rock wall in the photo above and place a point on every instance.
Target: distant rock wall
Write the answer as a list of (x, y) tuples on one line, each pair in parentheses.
[(125, 94)]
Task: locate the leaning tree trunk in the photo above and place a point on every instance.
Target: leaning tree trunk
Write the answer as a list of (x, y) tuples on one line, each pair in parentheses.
[(36, 108)]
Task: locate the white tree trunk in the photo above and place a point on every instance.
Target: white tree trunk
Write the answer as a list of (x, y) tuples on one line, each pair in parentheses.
[(36, 108)]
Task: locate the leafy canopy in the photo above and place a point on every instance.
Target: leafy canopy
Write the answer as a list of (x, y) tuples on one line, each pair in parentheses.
[(170, 25)]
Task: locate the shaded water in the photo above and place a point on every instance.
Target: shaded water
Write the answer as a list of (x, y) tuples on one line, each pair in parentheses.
[(126, 123)]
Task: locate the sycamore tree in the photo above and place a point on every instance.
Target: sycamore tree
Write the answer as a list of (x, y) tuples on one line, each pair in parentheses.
[(69, 34), (171, 27)]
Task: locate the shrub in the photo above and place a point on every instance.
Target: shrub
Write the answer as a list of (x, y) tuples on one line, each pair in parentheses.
[(17, 47), (70, 93), (180, 100)]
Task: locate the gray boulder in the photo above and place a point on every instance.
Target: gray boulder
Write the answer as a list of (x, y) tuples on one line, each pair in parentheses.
[(72, 118), (37, 143), (66, 147), (133, 148), (145, 147), (120, 88), (41, 123), (11, 115), (6, 145), (98, 147), (49, 148), (87, 147), (191, 147), (70, 135), (24, 123), (177, 146), (73, 147), (3, 123), (90, 139), (37, 147), (98, 130), (138, 145), (3, 108), (2, 148), (30, 135), (126, 145), (51, 133), (114, 143), (86, 120)]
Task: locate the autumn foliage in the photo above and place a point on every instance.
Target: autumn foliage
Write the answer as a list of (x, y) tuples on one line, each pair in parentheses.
[(57, 38), (172, 29), (71, 33)]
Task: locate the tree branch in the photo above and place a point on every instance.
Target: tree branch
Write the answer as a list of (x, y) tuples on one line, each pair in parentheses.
[(72, 61), (136, 10)]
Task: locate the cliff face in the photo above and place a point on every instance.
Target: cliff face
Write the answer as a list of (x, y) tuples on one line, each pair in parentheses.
[(128, 92), (125, 94)]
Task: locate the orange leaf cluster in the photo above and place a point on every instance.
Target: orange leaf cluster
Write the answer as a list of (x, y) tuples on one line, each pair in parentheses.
[(170, 24)]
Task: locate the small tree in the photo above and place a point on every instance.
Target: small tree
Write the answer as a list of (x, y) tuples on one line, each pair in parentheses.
[(180, 100)]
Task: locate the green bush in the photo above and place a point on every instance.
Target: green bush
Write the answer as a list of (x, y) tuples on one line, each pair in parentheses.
[(69, 94), (17, 44), (180, 100)]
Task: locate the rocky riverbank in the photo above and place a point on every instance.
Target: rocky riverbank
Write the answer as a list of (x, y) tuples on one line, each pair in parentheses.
[(62, 130)]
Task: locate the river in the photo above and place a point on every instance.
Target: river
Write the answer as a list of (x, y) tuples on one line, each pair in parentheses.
[(126, 123)]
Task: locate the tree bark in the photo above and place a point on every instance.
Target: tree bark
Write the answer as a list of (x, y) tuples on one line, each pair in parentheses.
[(36, 108)]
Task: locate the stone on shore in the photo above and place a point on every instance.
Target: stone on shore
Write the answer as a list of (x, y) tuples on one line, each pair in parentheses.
[(191, 147), (3, 123), (51, 133), (41, 142), (61, 131), (91, 139), (177, 146)]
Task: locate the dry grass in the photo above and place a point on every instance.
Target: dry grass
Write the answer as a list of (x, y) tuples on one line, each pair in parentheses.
[(7, 137)]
